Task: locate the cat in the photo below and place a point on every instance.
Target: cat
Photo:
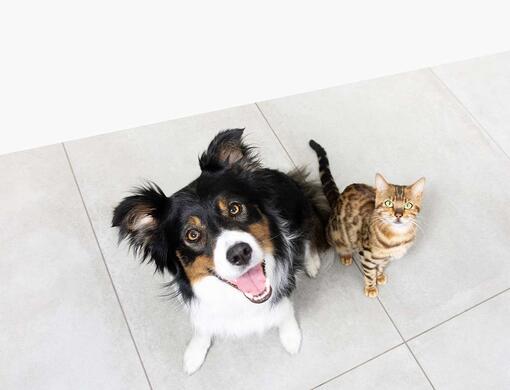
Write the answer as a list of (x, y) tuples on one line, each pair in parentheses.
[(380, 223)]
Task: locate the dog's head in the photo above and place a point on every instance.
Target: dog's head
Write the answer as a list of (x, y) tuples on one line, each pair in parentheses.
[(217, 226)]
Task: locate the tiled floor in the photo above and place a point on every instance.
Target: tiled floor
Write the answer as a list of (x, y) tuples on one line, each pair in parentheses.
[(77, 311)]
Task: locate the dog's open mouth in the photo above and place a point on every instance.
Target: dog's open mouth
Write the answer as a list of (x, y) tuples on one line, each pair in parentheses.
[(253, 284)]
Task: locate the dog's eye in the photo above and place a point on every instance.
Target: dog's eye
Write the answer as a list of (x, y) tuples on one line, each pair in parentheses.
[(408, 206), (234, 208), (192, 235), (388, 203)]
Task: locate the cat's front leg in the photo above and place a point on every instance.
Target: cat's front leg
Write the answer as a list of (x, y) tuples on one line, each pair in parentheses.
[(381, 278), (369, 268), (381, 259)]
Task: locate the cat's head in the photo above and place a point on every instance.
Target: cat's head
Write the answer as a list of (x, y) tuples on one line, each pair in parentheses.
[(398, 204)]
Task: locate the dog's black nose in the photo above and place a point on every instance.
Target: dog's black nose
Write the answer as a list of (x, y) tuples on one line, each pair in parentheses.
[(239, 254)]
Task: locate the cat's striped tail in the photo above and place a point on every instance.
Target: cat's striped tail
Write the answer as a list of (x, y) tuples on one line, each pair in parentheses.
[(328, 183)]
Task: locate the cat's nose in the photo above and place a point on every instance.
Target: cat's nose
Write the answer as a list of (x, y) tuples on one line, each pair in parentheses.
[(399, 213)]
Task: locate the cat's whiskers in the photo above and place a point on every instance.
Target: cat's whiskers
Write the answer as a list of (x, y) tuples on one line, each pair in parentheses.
[(379, 221), (420, 220), (417, 225)]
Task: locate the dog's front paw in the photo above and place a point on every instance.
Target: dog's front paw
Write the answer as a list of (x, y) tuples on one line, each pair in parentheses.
[(312, 265), (195, 354), (290, 336), (193, 360)]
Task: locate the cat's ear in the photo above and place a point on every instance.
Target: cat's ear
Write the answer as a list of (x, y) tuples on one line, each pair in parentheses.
[(228, 149), (417, 187), (381, 184)]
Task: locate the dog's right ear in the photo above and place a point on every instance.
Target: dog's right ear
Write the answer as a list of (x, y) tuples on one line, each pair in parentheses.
[(226, 150), (139, 219)]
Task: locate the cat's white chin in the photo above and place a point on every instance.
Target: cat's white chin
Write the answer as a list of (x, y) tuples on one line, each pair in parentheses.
[(401, 225)]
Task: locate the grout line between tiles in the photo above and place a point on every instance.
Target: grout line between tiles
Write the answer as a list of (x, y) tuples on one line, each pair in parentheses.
[(400, 334), (276, 135), (404, 341), (384, 308), (106, 265), (468, 112), (407, 345), (358, 365), (458, 314)]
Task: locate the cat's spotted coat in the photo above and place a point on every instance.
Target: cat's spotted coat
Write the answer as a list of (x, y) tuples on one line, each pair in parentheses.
[(379, 223)]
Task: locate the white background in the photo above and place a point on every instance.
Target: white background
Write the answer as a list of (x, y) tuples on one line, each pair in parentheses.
[(71, 69)]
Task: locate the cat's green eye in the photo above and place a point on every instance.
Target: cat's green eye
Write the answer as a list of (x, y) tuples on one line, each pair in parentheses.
[(388, 203), (408, 206)]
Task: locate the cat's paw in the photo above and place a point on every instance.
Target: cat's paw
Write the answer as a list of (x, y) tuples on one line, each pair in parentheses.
[(382, 279), (371, 292), (346, 260)]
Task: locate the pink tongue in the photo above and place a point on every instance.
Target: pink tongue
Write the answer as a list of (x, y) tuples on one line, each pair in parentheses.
[(252, 282)]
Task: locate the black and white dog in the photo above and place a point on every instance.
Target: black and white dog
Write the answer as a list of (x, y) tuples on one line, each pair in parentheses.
[(233, 240)]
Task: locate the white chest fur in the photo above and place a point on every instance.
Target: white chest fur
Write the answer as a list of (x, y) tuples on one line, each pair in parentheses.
[(221, 310)]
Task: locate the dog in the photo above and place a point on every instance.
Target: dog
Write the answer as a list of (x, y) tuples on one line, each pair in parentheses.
[(233, 240)]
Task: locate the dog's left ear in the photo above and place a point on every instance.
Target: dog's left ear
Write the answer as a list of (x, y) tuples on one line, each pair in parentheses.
[(139, 218), (227, 150)]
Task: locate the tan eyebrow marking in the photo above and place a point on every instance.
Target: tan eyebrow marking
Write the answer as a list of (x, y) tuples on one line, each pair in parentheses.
[(223, 206), (195, 221)]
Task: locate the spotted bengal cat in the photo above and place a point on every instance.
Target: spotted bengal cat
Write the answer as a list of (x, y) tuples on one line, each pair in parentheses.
[(378, 222)]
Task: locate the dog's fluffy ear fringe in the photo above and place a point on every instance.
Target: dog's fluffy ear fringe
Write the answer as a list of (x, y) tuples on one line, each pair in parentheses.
[(139, 219), (228, 150)]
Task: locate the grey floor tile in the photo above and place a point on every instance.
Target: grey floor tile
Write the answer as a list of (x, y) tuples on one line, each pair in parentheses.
[(406, 126), (341, 328), (483, 86), (395, 370), (469, 352), (61, 326)]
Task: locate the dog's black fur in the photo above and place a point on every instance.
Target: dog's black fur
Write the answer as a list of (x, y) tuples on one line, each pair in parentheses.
[(155, 224)]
